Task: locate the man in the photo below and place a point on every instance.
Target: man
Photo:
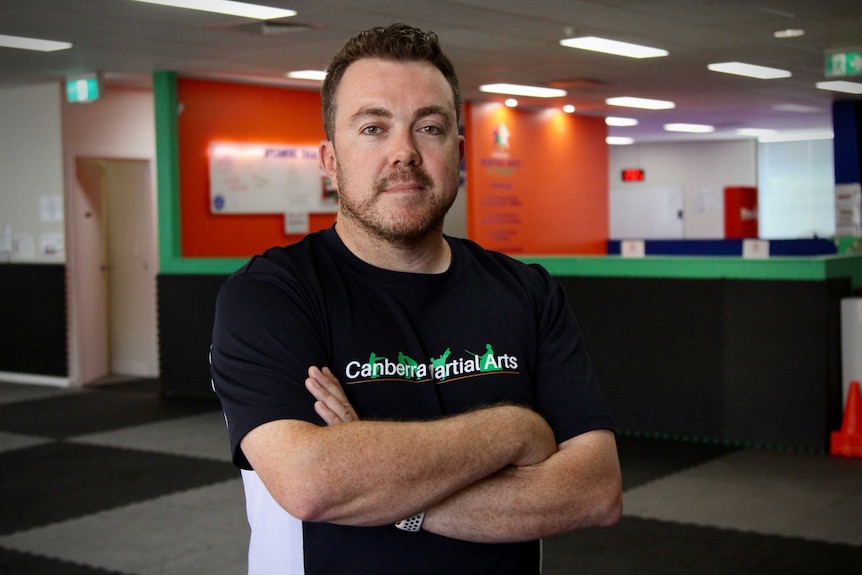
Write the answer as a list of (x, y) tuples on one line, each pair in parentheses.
[(401, 401)]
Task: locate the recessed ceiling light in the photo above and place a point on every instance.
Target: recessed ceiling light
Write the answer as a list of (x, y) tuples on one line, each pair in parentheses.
[(796, 109), (841, 86), (319, 75), (619, 141), (518, 90), (749, 70), (756, 132), (690, 128), (511, 103), (798, 136), (32, 44), (613, 47), (568, 109), (789, 33), (617, 121), (644, 103), (228, 7)]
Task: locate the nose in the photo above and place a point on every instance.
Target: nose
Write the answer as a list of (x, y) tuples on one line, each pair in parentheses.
[(403, 151)]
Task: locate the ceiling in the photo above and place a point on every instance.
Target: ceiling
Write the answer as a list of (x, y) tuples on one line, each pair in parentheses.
[(513, 41)]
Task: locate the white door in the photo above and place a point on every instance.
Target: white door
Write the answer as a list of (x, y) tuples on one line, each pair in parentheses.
[(641, 213), (116, 268)]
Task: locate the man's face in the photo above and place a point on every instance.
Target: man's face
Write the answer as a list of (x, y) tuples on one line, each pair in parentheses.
[(396, 154)]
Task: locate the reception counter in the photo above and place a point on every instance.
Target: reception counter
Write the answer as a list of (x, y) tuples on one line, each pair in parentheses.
[(706, 348)]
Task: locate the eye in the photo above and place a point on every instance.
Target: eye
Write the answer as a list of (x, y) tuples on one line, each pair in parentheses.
[(432, 130), (372, 130)]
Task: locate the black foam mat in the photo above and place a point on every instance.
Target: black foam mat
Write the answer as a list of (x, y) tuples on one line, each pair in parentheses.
[(59, 481), (649, 547)]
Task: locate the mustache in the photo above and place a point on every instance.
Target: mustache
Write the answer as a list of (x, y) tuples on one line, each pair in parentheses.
[(405, 175)]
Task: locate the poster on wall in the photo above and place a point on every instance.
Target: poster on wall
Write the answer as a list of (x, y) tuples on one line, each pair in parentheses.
[(848, 210), (268, 179)]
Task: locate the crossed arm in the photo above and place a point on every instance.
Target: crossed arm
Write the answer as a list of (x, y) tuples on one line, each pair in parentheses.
[(490, 475)]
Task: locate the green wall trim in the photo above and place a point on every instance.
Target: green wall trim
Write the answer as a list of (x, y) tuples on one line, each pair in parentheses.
[(167, 172), (807, 268), (802, 268)]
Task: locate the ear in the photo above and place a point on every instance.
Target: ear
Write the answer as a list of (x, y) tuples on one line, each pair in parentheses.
[(462, 147), (328, 161)]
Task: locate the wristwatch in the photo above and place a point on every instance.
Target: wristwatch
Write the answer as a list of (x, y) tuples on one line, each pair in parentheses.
[(411, 524)]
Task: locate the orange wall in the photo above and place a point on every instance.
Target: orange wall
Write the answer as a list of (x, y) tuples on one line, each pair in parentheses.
[(547, 192), (239, 113)]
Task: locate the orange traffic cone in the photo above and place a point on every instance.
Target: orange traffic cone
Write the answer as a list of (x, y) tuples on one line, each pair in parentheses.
[(848, 441)]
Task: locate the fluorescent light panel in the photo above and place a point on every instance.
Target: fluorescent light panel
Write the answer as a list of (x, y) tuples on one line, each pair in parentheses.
[(797, 136), (519, 90), (643, 103), (32, 44), (841, 86), (228, 7), (319, 75), (617, 121), (756, 132), (749, 70), (619, 141), (614, 47), (690, 128)]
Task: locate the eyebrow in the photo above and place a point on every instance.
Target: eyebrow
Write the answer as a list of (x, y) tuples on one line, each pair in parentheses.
[(377, 112)]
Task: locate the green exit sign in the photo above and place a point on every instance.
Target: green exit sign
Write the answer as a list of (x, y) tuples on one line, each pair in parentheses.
[(843, 64), (82, 89)]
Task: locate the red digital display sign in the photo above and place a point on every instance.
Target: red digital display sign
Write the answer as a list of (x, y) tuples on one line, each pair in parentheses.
[(633, 175)]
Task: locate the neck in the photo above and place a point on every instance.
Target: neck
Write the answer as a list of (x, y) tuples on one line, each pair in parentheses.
[(429, 254)]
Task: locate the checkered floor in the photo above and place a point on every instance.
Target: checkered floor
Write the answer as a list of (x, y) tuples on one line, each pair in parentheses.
[(114, 479)]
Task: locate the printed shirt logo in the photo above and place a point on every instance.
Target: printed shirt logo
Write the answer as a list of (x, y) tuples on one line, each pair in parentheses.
[(439, 369)]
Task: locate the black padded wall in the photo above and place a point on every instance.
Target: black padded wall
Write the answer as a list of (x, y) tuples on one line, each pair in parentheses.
[(748, 361), (739, 361), (186, 307), (33, 319)]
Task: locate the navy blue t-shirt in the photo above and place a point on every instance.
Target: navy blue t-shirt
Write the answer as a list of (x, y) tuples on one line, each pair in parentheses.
[(404, 347)]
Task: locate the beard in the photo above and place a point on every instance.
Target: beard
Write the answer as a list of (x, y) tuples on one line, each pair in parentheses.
[(403, 221)]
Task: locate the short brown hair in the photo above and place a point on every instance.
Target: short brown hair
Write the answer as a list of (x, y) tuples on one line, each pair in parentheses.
[(398, 42)]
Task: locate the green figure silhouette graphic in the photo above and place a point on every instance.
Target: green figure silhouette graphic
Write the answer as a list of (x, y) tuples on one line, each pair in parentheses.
[(372, 361), (404, 359), (487, 361)]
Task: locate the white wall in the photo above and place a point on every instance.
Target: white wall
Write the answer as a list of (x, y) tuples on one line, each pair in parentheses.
[(797, 189), (701, 169), (31, 175)]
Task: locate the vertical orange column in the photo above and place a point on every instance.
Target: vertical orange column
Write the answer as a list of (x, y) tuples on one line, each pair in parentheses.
[(537, 181)]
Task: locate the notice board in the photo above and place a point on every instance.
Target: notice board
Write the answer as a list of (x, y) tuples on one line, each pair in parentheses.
[(267, 179)]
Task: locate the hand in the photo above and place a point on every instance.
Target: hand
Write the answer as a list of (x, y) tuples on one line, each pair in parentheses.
[(331, 404)]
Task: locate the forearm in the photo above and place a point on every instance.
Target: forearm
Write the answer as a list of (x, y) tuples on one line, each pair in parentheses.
[(572, 489), (373, 473)]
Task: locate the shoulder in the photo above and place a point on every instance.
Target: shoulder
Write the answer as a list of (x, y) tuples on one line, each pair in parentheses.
[(289, 272), (497, 263)]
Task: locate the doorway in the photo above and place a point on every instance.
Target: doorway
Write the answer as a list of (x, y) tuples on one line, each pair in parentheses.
[(115, 269)]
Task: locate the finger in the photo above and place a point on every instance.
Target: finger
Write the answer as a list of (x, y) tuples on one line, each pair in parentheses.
[(328, 416), (325, 388)]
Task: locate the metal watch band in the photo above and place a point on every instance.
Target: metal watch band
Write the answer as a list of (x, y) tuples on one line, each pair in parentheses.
[(411, 524)]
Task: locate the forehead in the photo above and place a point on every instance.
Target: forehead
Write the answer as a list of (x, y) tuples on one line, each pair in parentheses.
[(394, 86)]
